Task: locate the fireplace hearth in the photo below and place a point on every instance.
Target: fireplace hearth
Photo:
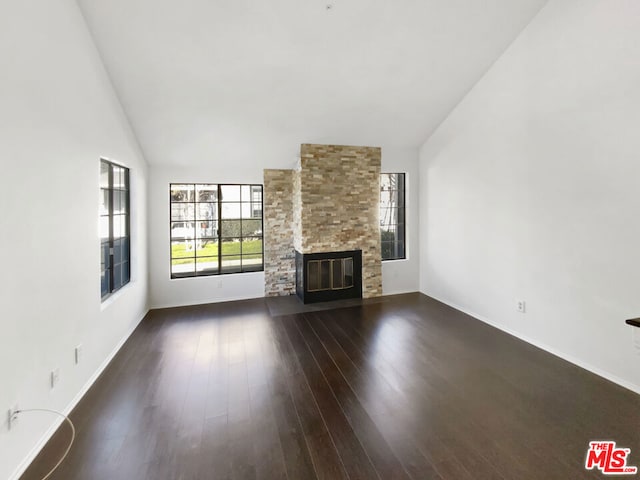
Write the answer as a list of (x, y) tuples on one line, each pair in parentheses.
[(327, 276)]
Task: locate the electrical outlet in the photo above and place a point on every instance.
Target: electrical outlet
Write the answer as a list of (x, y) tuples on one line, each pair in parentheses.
[(521, 306), (12, 416), (78, 354), (55, 377)]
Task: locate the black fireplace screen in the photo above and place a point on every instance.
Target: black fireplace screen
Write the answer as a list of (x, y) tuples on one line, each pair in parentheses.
[(329, 276), (333, 274)]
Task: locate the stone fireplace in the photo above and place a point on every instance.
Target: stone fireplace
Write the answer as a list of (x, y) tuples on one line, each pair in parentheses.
[(328, 205)]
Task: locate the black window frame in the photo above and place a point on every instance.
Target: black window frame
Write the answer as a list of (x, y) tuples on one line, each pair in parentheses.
[(217, 232), (115, 208), (394, 219)]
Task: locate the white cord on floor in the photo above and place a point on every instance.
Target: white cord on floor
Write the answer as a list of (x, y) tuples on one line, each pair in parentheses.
[(73, 434)]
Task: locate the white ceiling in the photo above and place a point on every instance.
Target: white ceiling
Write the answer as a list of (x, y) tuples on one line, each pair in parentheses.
[(224, 80)]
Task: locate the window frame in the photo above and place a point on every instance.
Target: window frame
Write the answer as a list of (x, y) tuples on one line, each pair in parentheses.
[(108, 262), (219, 237), (400, 219)]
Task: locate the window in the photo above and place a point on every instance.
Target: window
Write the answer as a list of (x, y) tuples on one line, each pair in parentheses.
[(115, 257), (392, 226), (215, 229)]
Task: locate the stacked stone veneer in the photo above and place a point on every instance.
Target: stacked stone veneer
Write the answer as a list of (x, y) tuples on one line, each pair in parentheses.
[(297, 211), (340, 196), (279, 255), (334, 206)]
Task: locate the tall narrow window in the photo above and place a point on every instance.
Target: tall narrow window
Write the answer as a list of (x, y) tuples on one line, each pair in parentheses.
[(114, 227), (215, 229), (392, 215)]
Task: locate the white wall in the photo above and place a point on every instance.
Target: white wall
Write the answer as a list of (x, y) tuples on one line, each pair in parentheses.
[(397, 276), (59, 115), (529, 189), (166, 292), (402, 276)]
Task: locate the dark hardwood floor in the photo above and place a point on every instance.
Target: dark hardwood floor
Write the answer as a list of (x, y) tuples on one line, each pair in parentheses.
[(405, 388)]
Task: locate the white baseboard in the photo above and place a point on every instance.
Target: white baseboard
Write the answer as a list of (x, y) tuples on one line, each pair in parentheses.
[(30, 457), (543, 346), (386, 293), (204, 302)]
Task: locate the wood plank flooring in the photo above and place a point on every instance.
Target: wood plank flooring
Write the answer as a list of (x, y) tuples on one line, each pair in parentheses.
[(407, 388)]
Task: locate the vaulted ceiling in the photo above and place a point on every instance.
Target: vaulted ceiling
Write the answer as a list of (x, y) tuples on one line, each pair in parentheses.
[(225, 80)]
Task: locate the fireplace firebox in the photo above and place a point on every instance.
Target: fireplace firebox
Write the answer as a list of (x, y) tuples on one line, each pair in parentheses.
[(322, 277)]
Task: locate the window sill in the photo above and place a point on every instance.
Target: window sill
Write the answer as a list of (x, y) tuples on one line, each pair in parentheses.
[(395, 260), (634, 322), (107, 301), (218, 276)]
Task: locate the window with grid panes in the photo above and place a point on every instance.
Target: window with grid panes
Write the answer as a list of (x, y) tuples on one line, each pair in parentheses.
[(115, 252), (392, 216), (215, 229)]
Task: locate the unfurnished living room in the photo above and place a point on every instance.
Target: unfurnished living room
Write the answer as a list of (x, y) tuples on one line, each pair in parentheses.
[(339, 239)]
